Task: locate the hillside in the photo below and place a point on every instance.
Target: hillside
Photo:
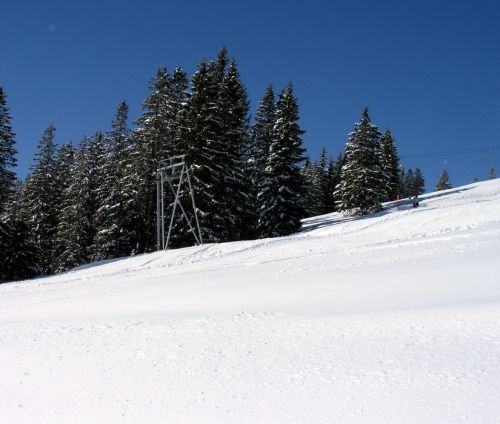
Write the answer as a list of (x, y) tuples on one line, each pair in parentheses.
[(391, 318)]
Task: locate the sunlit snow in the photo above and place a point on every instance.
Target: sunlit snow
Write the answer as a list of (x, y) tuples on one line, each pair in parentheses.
[(390, 318)]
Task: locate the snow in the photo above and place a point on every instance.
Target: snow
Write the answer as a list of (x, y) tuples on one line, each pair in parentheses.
[(391, 318)]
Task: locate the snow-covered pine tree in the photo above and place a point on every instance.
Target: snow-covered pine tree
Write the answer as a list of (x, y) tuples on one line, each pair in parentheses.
[(62, 177), (262, 133), (418, 182), (409, 183), (331, 182), (199, 137), (97, 162), (39, 200), (154, 141), (322, 181), (401, 182), (7, 181), (7, 152), (309, 196), (280, 205), (76, 230), (443, 181), (390, 164), (361, 189), (215, 157), (20, 254), (117, 216), (73, 227), (314, 196), (232, 110), (492, 174)]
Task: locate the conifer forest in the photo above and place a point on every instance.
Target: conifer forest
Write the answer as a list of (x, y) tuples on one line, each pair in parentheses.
[(251, 177)]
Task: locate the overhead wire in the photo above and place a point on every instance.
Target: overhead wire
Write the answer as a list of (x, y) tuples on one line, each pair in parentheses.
[(451, 152)]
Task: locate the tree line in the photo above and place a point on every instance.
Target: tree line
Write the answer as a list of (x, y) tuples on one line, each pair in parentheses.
[(251, 180)]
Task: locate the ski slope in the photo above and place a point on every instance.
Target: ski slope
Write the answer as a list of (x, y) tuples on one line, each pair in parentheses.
[(391, 318)]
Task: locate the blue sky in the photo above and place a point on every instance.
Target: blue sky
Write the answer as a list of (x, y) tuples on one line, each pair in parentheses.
[(427, 69)]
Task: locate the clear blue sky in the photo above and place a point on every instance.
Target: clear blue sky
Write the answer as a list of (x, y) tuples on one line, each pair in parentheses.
[(427, 69)]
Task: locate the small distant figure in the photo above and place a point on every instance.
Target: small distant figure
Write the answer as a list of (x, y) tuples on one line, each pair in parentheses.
[(416, 202)]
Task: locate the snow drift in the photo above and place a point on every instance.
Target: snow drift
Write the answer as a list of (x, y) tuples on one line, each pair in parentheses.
[(390, 318)]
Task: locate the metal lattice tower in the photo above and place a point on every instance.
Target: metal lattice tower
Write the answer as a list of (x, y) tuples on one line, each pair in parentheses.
[(173, 173)]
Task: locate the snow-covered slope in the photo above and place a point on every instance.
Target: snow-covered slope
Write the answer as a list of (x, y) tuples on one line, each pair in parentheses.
[(392, 318)]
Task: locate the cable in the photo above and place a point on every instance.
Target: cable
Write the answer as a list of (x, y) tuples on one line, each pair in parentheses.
[(451, 152)]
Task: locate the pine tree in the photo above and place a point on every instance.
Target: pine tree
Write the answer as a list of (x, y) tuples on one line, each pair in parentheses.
[(199, 136), (9, 235), (361, 188), (74, 225), (213, 135), (280, 205), (418, 182), (492, 174), (117, 216), (262, 133), (309, 196), (332, 176), (389, 160), (232, 110), (409, 183), (315, 195), (7, 152), (157, 139), (19, 254), (40, 197), (322, 182), (62, 178), (77, 228), (443, 181), (403, 192)]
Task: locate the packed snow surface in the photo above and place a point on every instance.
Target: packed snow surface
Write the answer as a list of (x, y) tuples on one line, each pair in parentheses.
[(390, 318)]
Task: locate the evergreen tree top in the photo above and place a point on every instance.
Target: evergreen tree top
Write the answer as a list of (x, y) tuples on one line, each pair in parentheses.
[(46, 149), (119, 122), (365, 115)]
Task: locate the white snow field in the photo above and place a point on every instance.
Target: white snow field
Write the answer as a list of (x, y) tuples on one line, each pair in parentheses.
[(391, 318)]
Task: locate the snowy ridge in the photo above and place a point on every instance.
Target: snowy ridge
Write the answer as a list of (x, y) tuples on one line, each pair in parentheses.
[(390, 318)]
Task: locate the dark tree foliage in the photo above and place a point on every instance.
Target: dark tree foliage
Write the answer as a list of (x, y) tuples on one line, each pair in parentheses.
[(280, 208), (40, 200), (262, 133), (117, 216), (7, 152), (409, 183), (62, 179), (332, 176), (443, 181), (19, 254), (317, 194), (309, 197), (77, 228), (389, 161), (492, 174), (362, 182), (156, 139), (418, 182), (233, 108), (213, 135), (74, 222), (323, 184)]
